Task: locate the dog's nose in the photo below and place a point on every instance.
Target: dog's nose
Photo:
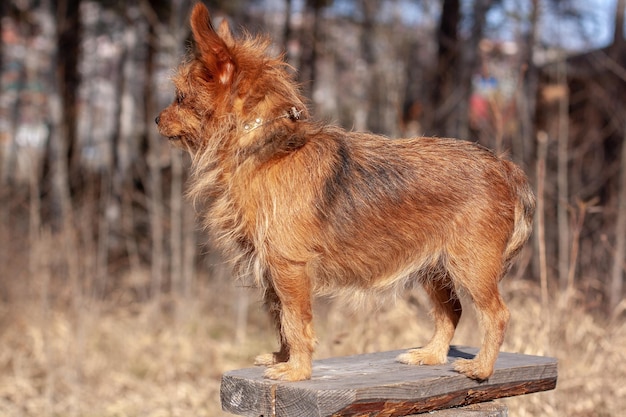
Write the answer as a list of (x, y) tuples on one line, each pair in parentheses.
[(156, 119)]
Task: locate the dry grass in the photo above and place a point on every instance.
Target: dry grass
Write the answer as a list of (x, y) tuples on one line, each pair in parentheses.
[(72, 356)]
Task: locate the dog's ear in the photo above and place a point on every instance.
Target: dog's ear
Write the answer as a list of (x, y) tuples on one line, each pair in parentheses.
[(212, 48), (224, 32)]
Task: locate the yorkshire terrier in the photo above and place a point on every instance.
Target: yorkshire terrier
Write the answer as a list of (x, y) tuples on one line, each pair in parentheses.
[(311, 209)]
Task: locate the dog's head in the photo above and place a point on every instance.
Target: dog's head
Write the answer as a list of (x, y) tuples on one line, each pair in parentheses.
[(226, 89)]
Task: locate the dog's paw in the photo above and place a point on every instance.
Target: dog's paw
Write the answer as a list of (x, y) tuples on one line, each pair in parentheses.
[(266, 359), (269, 359), (288, 372), (473, 368), (423, 357)]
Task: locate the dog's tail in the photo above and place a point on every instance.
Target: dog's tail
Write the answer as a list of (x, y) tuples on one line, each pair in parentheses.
[(524, 213)]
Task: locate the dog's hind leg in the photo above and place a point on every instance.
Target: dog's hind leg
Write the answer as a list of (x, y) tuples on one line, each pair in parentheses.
[(480, 278), (494, 317), (446, 312)]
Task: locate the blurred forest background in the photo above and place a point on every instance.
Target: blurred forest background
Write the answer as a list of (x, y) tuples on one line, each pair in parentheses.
[(113, 302)]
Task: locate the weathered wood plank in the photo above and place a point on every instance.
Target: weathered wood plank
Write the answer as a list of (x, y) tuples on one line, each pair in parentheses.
[(375, 384), (487, 409)]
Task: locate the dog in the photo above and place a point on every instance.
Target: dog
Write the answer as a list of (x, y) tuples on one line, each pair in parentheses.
[(309, 208)]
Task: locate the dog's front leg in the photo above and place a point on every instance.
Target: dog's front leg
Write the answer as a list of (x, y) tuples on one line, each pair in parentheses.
[(293, 290), (274, 308)]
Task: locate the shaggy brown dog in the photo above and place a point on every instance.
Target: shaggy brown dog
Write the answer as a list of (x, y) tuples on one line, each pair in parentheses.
[(314, 209)]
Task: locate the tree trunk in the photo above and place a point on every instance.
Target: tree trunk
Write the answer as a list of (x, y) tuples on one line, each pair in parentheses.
[(619, 260), (470, 57), (371, 98), (618, 34), (524, 145), (68, 54), (155, 183), (309, 40), (529, 89), (562, 176), (3, 12), (64, 163), (287, 31), (443, 98), (176, 222), (540, 224)]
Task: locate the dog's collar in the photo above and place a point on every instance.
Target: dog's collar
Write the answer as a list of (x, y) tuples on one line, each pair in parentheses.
[(293, 113)]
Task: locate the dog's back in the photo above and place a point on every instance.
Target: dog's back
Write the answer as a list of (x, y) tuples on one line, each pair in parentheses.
[(386, 210)]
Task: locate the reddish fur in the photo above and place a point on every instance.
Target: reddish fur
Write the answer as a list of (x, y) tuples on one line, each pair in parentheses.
[(312, 209)]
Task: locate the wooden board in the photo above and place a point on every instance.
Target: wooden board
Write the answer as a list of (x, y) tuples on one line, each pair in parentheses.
[(487, 409), (376, 385)]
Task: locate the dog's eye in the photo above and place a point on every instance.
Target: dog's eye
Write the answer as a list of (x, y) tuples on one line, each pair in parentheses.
[(180, 97)]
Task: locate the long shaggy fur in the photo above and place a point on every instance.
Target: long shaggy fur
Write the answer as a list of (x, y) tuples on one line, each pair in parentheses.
[(313, 209)]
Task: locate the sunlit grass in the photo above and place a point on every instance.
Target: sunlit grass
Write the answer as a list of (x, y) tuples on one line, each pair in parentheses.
[(60, 356)]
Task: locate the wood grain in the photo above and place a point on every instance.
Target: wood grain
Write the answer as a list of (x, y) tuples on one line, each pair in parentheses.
[(376, 385)]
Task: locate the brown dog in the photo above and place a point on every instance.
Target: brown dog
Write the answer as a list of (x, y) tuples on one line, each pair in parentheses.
[(314, 209)]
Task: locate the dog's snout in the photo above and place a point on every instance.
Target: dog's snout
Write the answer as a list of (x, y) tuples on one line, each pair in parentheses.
[(156, 119)]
